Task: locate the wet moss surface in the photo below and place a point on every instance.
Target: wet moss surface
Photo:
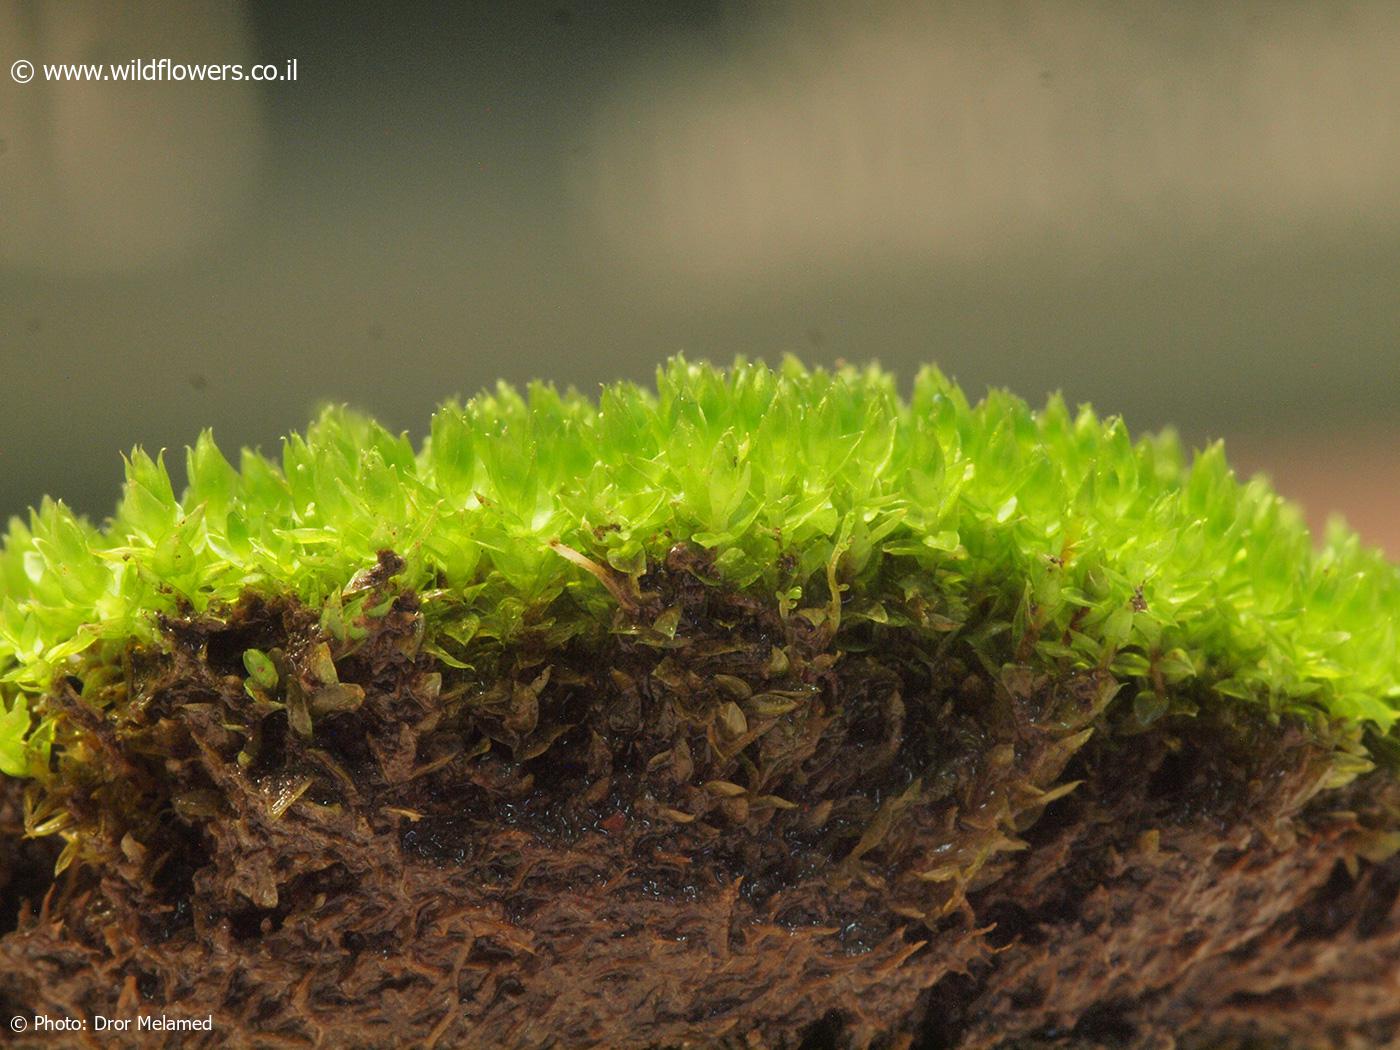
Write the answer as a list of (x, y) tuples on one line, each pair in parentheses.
[(716, 824)]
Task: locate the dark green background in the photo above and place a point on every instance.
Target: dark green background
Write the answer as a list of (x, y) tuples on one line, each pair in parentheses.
[(421, 217)]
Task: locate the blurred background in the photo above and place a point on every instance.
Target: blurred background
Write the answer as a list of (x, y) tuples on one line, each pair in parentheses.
[(1183, 213)]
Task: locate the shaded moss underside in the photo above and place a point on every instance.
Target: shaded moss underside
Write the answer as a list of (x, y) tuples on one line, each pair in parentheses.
[(735, 833)]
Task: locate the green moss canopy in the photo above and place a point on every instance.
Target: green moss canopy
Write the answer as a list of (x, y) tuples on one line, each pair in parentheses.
[(1045, 536)]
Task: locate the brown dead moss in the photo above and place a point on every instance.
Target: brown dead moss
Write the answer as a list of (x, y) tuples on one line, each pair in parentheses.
[(732, 834)]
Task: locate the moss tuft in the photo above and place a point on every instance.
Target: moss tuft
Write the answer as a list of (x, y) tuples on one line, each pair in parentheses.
[(1046, 538)]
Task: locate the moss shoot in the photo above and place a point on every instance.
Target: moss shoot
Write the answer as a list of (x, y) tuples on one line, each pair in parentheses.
[(862, 718)]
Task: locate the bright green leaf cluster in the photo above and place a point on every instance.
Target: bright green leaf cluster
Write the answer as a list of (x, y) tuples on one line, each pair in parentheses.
[(1050, 534)]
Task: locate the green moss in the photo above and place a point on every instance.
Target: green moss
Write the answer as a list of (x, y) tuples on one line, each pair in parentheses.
[(1045, 537)]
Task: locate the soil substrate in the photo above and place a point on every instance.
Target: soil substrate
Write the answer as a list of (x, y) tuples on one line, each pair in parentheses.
[(735, 836)]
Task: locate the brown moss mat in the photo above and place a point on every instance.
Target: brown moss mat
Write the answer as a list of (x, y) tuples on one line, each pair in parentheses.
[(724, 834)]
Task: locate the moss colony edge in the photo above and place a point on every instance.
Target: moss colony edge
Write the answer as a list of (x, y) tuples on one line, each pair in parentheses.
[(764, 707)]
